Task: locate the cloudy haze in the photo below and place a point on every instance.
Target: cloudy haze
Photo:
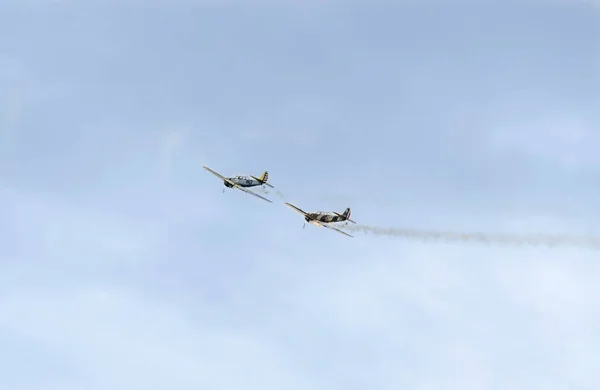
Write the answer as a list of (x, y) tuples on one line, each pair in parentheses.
[(124, 266)]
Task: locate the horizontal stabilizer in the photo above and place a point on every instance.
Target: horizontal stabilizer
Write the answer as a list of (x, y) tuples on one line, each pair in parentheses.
[(340, 215), (261, 181)]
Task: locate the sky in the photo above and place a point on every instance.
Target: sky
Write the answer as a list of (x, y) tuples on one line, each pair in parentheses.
[(123, 264)]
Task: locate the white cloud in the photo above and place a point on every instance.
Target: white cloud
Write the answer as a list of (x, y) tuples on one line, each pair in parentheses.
[(65, 232), (565, 140), (120, 339), (367, 312)]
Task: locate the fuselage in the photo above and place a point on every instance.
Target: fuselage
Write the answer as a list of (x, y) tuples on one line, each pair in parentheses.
[(324, 217), (242, 181)]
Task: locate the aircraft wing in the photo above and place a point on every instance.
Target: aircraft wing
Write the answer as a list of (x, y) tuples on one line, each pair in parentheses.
[(234, 184), (219, 175), (251, 193), (334, 228), (297, 209)]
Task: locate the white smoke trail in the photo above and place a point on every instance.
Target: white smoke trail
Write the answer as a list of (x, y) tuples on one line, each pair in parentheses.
[(589, 242), (267, 192)]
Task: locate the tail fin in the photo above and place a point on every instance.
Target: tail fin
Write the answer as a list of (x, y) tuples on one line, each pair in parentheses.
[(264, 177), (347, 213)]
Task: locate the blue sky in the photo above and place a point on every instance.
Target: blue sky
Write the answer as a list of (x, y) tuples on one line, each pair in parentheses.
[(124, 266)]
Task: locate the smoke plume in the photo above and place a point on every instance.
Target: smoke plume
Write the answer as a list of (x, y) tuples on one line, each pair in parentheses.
[(501, 239), (278, 193)]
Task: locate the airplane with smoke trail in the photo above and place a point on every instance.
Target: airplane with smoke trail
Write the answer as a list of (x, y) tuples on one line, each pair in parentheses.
[(243, 182), (323, 219)]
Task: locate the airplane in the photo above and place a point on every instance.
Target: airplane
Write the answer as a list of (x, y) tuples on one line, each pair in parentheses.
[(242, 182), (322, 218)]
